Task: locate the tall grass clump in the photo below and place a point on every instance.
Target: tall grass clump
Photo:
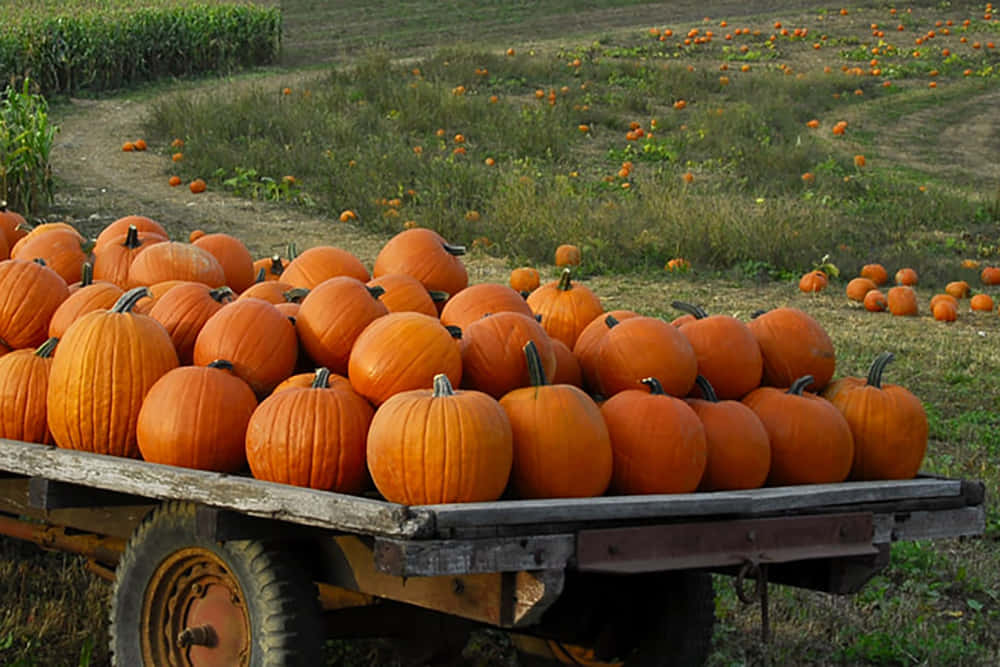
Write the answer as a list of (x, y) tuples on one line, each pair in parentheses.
[(26, 137)]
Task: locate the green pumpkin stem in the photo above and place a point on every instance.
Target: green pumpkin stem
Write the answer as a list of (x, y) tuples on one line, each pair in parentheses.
[(126, 302), (877, 367), (86, 274), (706, 388), (691, 309), (292, 251), (39, 261), (611, 321), (132, 238), (455, 331), (800, 385), (654, 386), (564, 280), (261, 276), (322, 378), (437, 296), (442, 386), (221, 294), (46, 349), (277, 266), (221, 364), (376, 291), (295, 295), (455, 250), (535, 371)]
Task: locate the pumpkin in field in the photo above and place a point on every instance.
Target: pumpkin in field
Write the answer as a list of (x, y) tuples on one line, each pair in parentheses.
[(425, 255), (400, 352), (990, 275), (727, 352), (113, 260), (944, 311), (811, 442), (176, 261), (888, 424), (902, 300), (814, 281), (62, 249), (236, 261), (12, 226), (474, 301), (440, 446), (937, 298), (793, 344), (493, 358), (106, 353), (739, 450), (642, 347), (906, 276), (306, 380), (524, 279), (562, 448), (566, 307), (24, 382), (196, 417), (184, 310), (119, 228), (567, 367), (321, 263), (89, 296), (311, 436), (405, 293), (958, 289), (658, 442), (858, 288), (567, 255), (32, 283), (875, 301), (255, 337), (333, 315), (876, 273), (588, 345), (981, 302)]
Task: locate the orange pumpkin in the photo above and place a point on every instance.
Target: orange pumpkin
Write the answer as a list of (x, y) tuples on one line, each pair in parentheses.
[(45, 228), (176, 261), (981, 302), (333, 315), (875, 301), (958, 289), (814, 281), (906, 276), (119, 228), (236, 261), (24, 382), (184, 310), (475, 301), (902, 300), (524, 279), (793, 344), (274, 291), (588, 345), (113, 260), (272, 267), (727, 352), (493, 358), (62, 250), (566, 308), (568, 255), (858, 288), (567, 367), (642, 347), (89, 296), (876, 273), (12, 225), (32, 283), (405, 293), (990, 275), (425, 255), (320, 263)]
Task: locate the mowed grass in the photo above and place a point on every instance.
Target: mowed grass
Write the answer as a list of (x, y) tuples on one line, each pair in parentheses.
[(747, 220)]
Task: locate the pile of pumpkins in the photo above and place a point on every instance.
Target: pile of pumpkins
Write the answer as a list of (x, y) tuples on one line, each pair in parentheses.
[(311, 371)]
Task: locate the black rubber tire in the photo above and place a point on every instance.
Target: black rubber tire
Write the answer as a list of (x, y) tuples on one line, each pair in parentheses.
[(667, 618), (280, 600)]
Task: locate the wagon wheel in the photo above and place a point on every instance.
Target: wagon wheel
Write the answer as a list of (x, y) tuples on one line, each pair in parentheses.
[(657, 620), (183, 600)]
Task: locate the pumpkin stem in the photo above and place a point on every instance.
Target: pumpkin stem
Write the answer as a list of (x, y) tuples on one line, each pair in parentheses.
[(800, 385), (295, 295), (322, 378), (757, 313), (261, 275), (39, 261), (564, 282), (292, 251), (376, 291), (46, 349), (437, 296), (535, 371), (86, 274), (221, 364), (707, 390), (455, 250), (221, 294), (442, 386), (611, 321), (654, 386), (126, 302), (277, 266), (698, 312), (524, 294), (132, 238), (875, 370), (456, 332)]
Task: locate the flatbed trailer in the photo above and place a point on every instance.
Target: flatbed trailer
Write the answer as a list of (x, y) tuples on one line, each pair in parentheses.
[(218, 569)]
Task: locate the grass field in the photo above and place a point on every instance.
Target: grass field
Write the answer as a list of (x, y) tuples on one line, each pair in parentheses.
[(927, 196)]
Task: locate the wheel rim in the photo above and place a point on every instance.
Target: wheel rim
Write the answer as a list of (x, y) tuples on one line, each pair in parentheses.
[(194, 613)]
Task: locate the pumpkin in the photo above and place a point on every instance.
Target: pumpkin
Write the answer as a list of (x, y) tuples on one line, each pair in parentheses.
[(524, 279), (566, 308), (274, 291), (320, 263), (195, 235), (400, 352), (944, 311), (658, 443), (184, 310), (88, 296), (642, 347), (493, 358), (958, 289), (12, 225), (306, 380), (24, 381), (272, 267), (31, 283), (333, 315), (981, 302), (258, 340), (902, 300), (738, 447), (990, 275), (858, 288), (119, 228), (875, 301), (236, 261), (588, 345), (728, 354), (793, 344), (814, 281), (176, 261), (562, 448), (113, 260), (405, 293), (876, 273), (45, 228), (4, 247), (475, 301), (906, 276), (937, 298), (311, 436), (196, 417), (63, 251), (107, 361), (811, 442), (567, 367), (888, 424), (567, 255), (156, 292), (425, 255), (440, 446)]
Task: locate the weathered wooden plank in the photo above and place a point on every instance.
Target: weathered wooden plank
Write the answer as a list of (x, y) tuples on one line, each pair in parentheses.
[(47, 494), (310, 507), (939, 524), (755, 502), (422, 558)]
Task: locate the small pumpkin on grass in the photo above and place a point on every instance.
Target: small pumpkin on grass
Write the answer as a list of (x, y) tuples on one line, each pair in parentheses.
[(876, 273), (875, 301), (981, 303), (958, 289), (944, 311), (902, 300), (813, 281), (859, 287), (990, 275), (906, 276), (568, 255), (524, 279)]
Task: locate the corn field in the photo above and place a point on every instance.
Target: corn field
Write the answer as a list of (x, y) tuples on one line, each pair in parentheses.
[(26, 136)]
